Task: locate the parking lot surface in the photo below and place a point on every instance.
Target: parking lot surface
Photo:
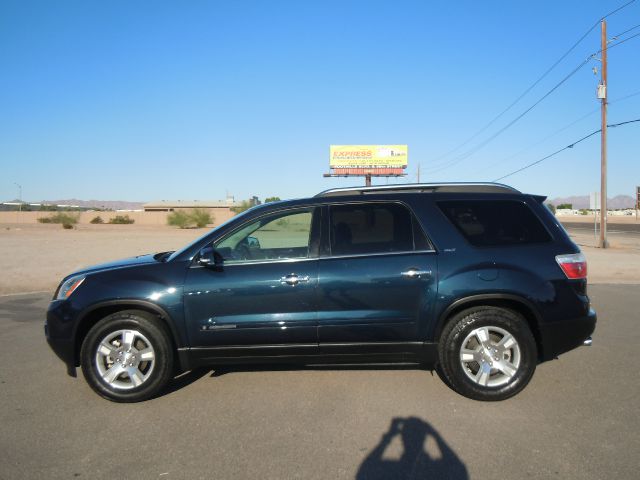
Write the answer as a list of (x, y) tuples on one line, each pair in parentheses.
[(577, 419)]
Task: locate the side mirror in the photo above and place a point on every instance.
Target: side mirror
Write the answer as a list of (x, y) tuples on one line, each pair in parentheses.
[(253, 242), (210, 257)]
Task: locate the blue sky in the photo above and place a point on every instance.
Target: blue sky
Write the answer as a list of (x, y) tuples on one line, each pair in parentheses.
[(190, 100)]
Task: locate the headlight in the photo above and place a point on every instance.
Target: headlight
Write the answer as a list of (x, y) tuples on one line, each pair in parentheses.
[(68, 287)]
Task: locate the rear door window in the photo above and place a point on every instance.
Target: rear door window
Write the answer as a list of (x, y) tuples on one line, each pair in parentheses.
[(492, 223), (372, 228)]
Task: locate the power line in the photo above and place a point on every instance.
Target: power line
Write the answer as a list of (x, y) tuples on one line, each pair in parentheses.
[(620, 99), (560, 130), (613, 125), (551, 135), (609, 47), (470, 152), (467, 154), (512, 104), (616, 10), (615, 37), (548, 156)]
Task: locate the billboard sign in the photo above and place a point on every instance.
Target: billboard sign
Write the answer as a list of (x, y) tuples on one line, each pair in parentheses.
[(368, 156), (638, 198)]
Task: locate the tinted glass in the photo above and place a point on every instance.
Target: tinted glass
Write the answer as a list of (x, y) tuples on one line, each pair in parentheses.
[(488, 223), (278, 236), (370, 228)]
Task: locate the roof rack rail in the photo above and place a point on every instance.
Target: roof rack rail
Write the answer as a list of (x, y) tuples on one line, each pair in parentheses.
[(487, 187)]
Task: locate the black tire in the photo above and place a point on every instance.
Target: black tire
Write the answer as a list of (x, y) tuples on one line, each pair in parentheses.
[(495, 373), (152, 368)]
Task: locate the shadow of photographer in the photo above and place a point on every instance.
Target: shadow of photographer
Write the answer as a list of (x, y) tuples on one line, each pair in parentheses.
[(424, 454)]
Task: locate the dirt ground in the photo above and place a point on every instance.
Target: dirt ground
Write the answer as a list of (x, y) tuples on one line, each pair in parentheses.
[(611, 219), (36, 257)]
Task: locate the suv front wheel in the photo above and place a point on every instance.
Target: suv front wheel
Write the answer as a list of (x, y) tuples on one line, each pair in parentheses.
[(487, 353), (127, 357)]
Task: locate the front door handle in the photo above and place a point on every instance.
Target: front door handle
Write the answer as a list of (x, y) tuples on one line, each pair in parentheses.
[(293, 279), (415, 273)]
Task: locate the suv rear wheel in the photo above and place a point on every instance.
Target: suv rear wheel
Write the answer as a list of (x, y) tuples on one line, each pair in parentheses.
[(487, 353), (127, 357)]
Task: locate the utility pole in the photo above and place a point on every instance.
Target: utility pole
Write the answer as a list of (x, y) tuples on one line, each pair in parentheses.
[(603, 243), (418, 174)]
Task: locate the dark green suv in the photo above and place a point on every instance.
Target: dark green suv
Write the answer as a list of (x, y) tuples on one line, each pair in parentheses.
[(478, 280)]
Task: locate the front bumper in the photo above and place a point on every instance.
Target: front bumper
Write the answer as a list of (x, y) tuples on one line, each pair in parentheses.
[(58, 330), (560, 337)]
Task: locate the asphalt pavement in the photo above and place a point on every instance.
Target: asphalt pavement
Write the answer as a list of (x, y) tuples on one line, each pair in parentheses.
[(577, 419)]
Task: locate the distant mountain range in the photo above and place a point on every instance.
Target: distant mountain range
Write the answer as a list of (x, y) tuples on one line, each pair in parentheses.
[(102, 204), (582, 201)]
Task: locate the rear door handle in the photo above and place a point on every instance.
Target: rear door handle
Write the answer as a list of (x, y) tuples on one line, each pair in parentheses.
[(293, 279), (415, 273)]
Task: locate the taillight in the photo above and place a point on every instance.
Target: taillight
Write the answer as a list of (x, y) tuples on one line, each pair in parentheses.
[(573, 265)]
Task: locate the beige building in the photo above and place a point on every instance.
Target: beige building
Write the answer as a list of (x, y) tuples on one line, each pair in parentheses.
[(220, 210), (155, 213)]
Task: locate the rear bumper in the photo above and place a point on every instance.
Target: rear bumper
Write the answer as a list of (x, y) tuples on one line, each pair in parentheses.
[(560, 337)]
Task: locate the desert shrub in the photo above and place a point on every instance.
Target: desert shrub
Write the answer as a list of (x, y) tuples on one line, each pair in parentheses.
[(97, 219), (61, 217), (67, 226), (179, 219), (201, 218), (121, 220), (197, 218)]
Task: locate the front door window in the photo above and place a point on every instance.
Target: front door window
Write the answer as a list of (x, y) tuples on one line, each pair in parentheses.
[(276, 237)]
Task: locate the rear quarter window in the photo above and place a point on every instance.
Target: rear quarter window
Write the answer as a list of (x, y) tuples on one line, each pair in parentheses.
[(493, 223)]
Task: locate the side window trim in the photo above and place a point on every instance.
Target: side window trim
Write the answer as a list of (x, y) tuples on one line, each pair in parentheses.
[(379, 254), (416, 225)]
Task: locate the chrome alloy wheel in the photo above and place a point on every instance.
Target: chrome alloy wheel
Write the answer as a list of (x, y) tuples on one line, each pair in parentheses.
[(125, 359), (490, 356)]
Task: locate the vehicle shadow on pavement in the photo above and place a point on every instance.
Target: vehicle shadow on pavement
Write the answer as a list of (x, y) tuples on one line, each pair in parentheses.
[(191, 376), (412, 449), (224, 370), (184, 380)]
